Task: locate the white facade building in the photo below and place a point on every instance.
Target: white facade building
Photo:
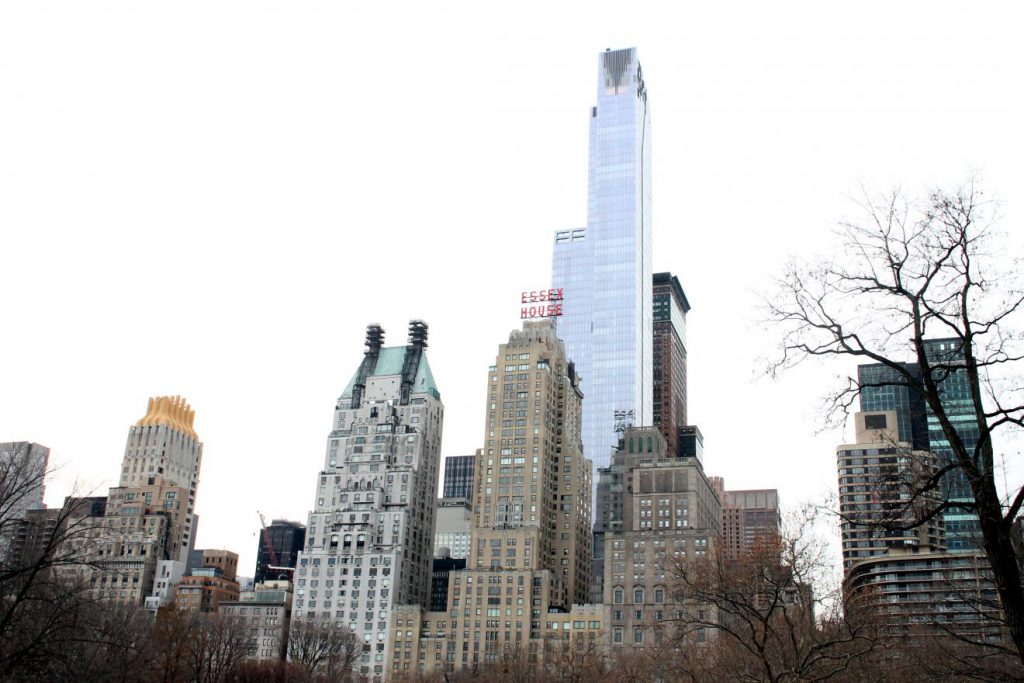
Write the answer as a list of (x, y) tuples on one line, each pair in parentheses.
[(168, 575), (369, 536)]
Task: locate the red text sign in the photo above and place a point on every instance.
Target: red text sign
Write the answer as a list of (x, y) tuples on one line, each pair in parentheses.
[(542, 295), (551, 309)]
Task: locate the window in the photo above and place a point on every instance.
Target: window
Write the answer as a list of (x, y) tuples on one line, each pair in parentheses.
[(875, 422)]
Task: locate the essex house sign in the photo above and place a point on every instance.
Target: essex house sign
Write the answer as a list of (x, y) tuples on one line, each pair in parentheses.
[(541, 303)]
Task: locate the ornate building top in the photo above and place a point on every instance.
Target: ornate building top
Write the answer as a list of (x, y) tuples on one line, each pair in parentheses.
[(169, 411)]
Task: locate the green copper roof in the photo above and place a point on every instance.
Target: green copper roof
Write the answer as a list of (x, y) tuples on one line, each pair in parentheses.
[(389, 362)]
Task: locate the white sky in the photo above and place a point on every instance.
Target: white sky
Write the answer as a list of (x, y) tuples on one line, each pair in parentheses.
[(213, 199)]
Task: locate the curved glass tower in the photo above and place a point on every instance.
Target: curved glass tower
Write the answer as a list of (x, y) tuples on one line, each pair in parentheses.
[(605, 268)]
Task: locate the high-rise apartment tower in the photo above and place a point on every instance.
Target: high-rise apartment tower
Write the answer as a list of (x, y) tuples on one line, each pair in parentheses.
[(883, 388), (530, 544), (895, 569), (369, 536), (150, 516), (22, 479), (605, 268), (748, 516), (670, 309), (655, 510)]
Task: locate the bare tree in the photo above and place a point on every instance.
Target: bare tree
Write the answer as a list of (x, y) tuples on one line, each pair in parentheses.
[(42, 598), (110, 642), (911, 272), (574, 660), (323, 648), (216, 646), (276, 671), (773, 614), (172, 633)]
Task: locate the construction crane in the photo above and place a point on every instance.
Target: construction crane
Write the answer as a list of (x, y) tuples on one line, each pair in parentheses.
[(283, 572)]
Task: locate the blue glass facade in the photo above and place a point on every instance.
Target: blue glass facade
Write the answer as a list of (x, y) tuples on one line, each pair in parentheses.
[(605, 269), (946, 357)]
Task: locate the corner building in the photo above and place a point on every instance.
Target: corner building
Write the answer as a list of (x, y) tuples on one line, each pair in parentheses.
[(369, 536), (530, 544)]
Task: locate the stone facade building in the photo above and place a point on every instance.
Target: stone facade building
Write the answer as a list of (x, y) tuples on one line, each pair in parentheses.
[(369, 535), (266, 613), (224, 560), (747, 515), (204, 589), (530, 547), (149, 517), (657, 511)]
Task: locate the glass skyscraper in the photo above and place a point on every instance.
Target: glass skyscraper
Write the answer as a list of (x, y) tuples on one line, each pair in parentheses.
[(946, 357), (882, 388), (605, 268)]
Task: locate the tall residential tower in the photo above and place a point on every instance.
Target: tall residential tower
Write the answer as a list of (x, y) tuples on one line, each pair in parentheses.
[(883, 388), (670, 309), (369, 536), (605, 268), (530, 547), (898, 570), (149, 518)]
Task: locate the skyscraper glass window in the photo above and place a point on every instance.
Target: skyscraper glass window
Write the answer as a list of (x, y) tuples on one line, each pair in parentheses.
[(883, 388), (605, 269), (458, 476), (946, 358)]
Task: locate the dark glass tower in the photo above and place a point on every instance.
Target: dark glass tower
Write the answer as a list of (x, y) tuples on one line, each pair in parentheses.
[(458, 476), (946, 358), (882, 388), (287, 539)]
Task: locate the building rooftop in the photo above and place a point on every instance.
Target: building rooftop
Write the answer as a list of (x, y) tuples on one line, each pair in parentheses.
[(390, 361)]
